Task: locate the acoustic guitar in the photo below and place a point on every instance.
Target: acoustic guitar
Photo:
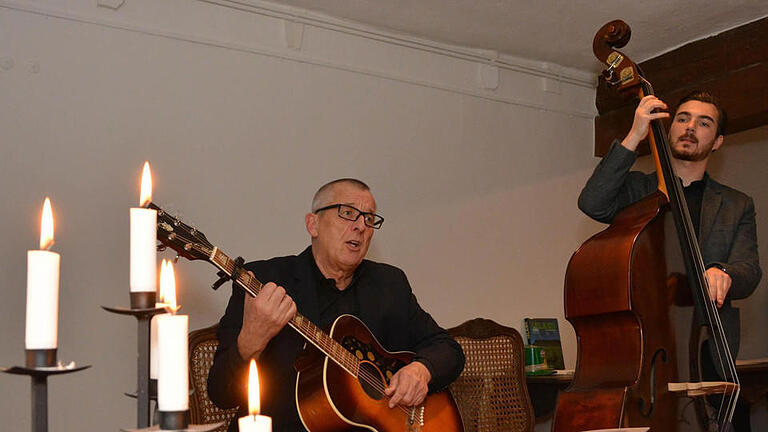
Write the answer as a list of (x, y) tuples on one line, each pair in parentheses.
[(342, 375)]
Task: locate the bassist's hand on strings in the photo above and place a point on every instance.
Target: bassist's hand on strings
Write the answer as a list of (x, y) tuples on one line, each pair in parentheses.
[(719, 284), (263, 318), (642, 121), (409, 385)]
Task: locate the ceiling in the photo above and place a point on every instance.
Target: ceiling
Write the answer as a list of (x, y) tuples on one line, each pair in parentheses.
[(555, 31)]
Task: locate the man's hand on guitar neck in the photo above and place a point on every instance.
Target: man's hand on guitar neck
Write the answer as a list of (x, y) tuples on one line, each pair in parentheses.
[(409, 385), (263, 318)]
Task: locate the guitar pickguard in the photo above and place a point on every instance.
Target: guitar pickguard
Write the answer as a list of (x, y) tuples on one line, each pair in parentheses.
[(366, 352)]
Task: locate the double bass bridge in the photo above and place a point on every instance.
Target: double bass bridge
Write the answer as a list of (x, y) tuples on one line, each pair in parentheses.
[(703, 388)]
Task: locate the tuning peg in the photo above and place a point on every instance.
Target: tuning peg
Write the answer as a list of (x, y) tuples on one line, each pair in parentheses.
[(176, 259), (161, 247)]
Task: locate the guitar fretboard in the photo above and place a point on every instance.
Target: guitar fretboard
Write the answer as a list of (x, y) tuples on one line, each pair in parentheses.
[(305, 327)]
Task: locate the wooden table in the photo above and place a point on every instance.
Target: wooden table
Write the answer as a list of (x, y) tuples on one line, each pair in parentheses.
[(753, 374), (543, 390)]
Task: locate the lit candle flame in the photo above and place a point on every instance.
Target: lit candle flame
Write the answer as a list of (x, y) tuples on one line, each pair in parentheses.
[(168, 287), (253, 390), (46, 226), (146, 186)]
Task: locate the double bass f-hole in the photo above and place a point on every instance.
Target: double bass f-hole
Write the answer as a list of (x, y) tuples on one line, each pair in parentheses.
[(652, 383)]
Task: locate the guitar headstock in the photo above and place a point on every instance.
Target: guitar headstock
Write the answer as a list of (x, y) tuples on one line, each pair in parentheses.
[(184, 239)]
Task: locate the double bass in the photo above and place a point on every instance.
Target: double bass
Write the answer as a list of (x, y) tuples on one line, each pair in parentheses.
[(637, 297)]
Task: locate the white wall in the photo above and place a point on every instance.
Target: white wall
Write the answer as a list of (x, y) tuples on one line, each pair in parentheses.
[(478, 186)]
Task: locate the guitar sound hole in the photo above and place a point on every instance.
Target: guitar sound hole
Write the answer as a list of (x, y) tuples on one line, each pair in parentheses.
[(371, 380)]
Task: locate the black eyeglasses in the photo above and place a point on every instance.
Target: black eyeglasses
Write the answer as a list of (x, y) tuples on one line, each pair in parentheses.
[(351, 214)]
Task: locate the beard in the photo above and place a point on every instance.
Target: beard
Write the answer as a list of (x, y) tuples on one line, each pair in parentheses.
[(697, 153)]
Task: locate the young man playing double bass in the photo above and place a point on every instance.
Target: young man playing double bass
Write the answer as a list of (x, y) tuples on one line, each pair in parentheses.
[(723, 218)]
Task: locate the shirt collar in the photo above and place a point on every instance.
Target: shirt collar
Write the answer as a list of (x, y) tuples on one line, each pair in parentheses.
[(324, 281)]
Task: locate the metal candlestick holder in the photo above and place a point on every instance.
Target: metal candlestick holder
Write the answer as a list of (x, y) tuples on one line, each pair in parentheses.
[(39, 365), (142, 308), (152, 396)]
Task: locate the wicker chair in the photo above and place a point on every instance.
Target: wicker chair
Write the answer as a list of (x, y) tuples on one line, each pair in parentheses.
[(202, 346), (491, 392)]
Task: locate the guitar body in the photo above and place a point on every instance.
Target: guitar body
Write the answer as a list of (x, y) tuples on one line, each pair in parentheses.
[(329, 398)]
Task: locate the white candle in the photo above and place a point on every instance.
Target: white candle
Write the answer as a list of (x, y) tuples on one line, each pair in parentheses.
[(167, 296), (143, 239), (43, 289), (172, 379), (154, 354), (172, 366), (254, 422)]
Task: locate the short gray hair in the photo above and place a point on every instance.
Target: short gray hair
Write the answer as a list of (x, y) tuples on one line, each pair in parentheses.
[(322, 194)]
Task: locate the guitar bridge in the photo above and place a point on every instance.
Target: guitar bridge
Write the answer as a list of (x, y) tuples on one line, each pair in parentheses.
[(415, 420)]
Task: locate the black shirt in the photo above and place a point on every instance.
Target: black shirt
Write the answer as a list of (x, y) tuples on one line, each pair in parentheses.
[(694, 193), (332, 301)]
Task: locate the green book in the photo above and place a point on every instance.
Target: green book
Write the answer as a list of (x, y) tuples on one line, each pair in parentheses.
[(544, 333)]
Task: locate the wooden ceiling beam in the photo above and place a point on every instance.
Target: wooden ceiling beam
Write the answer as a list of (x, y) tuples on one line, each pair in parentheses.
[(732, 65)]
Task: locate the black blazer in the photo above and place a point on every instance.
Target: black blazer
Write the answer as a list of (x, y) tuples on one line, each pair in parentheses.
[(386, 305), (727, 237)]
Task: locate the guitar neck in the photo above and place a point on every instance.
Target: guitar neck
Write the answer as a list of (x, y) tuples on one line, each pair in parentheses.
[(301, 324)]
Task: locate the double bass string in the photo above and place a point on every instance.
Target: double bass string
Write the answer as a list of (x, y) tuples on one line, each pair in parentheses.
[(724, 356), (722, 351)]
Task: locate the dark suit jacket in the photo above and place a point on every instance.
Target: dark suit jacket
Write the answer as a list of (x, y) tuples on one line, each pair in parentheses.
[(386, 305), (727, 237)]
